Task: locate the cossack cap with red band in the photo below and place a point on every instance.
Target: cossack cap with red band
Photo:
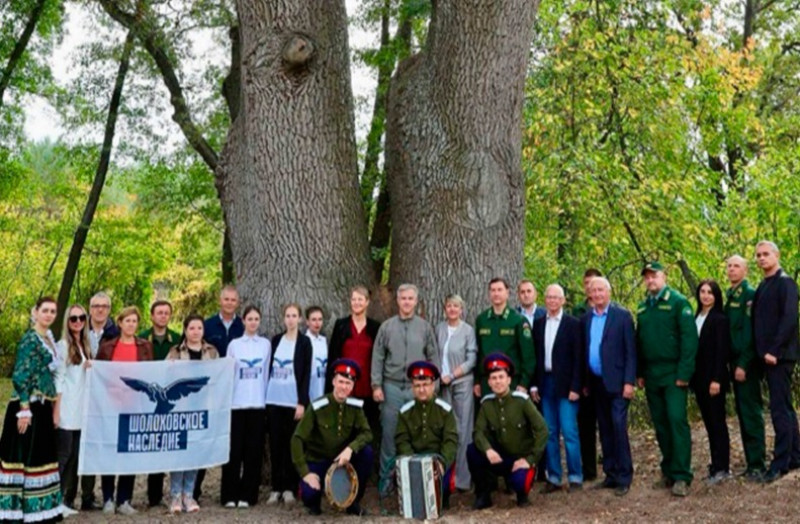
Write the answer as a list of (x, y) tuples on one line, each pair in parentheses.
[(347, 368), (496, 362), (422, 369)]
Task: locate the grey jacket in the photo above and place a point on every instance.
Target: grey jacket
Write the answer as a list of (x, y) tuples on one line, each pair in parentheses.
[(400, 342), (462, 351)]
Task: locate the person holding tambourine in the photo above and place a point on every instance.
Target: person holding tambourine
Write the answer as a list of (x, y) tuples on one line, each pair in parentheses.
[(334, 430)]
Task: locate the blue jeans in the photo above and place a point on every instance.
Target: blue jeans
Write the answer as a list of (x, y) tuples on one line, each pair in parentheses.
[(561, 416), (182, 482)]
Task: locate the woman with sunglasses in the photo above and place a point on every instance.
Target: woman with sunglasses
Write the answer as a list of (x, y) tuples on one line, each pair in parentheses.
[(74, 357), (30, 487)]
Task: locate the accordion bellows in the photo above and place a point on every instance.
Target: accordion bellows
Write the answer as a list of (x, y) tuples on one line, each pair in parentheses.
[(419, 488)]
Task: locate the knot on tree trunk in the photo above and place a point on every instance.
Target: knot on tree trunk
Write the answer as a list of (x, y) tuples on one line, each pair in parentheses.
[(297, 51)]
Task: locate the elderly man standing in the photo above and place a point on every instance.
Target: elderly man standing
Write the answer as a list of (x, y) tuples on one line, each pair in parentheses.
[(610, 343), (775, 332), (402, 339), (667, 346)]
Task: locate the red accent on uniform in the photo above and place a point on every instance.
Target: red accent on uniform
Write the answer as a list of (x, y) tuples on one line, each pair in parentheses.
[(529, 479), (422, 373)]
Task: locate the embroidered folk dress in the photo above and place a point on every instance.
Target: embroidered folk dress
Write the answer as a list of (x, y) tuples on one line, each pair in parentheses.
[(30, 488)]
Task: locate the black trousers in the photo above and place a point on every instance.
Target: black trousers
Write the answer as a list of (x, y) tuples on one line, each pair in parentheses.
[(69, 442), (281, 425), (241, 476), (124, 487), (587, 433), (612, 419), (784, 418), (713, 411), (155, 488)]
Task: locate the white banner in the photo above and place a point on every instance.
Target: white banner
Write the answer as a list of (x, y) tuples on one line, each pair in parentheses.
[(154, 417)]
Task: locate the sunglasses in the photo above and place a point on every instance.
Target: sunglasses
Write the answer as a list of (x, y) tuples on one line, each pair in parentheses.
[(77, 318)]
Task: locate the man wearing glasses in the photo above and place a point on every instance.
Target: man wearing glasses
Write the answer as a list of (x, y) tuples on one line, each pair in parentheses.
[(101, 327)]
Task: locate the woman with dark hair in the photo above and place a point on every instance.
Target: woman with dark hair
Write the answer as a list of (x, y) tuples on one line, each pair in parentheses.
[(287, 397), (127, 347), (191, 347), (710, 381), (74, 353), (30, 487), (241, 476)]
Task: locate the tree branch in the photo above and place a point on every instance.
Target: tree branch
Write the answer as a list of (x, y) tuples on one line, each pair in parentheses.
[(19, 47)]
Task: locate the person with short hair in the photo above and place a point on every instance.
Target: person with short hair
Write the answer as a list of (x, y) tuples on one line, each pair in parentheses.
[(241, 476), (427, 425), (333, 430), (526, 301), (287, 398), (30, 488), (509, 439), (125, 348), (403, 338), (101, 327), (319, 344)]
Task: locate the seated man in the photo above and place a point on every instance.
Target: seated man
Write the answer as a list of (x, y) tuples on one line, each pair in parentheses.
[(509, 438), (427, 425), (333, 429)]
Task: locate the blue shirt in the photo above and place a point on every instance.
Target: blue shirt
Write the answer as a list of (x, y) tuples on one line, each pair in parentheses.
[(595, 337)]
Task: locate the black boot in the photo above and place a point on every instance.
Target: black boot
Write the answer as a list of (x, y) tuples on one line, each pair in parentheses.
[(446, 500), (522, 500), (356, 509), (482, 501), (314, 509)]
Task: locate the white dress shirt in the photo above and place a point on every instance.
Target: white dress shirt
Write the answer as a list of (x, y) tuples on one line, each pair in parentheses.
[(550, 330)]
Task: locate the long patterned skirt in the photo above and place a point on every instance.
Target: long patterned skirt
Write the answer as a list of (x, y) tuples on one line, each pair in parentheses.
[(30, 489)]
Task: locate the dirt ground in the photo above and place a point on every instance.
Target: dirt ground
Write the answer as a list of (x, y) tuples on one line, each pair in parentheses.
[(733, 501)]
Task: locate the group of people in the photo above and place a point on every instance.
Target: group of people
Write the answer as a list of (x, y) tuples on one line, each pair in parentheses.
[(488, 401)]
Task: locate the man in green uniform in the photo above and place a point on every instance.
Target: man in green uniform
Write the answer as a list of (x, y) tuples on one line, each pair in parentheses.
[(427, 425), (502, 329), (746, 369), (333, 429), (509, 439), (666, 345)]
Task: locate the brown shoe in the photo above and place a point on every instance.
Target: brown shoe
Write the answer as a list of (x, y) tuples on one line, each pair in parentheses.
[(549, 487)]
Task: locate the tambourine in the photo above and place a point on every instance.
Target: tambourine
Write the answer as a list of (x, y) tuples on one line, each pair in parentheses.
[(341, 485)]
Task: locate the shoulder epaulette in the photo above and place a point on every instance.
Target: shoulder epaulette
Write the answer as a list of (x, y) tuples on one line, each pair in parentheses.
[(444, 405), (320, 403), (490, 396), (520, 394), (408, 405), (357, 402)]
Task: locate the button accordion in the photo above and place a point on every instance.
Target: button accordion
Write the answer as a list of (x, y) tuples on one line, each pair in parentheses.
[(419, 487)]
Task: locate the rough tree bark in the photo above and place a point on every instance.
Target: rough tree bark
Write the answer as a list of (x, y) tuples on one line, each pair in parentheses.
[(453, 152), (288, 176), (82, 231)]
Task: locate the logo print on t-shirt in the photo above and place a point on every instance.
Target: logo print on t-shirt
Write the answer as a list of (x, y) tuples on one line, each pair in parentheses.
[(281, 369), (323, 364), (251, 371)]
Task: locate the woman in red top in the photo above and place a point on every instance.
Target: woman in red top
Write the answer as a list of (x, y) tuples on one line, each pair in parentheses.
[(352, 338), (125, 348)]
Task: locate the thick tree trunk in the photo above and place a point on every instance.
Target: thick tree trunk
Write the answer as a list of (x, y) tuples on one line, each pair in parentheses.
[(19, 48), (453, 156), (288, 178)]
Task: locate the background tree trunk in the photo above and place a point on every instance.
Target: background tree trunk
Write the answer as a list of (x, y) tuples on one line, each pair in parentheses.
[(288, 178), (453, 153)]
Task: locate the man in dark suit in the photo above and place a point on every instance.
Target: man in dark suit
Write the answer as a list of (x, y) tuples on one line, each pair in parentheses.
[(610, 353), (557, 383)]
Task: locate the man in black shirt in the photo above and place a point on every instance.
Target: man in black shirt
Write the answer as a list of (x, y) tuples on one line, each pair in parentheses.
[(775, 334)]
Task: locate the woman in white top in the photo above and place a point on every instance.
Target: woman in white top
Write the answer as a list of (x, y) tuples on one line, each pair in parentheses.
[(319, 344), (241, 476), (73, 353), (287, 396), (459, 352)]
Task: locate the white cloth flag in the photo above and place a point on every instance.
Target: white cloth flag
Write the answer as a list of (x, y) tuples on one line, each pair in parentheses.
[(153, 417)]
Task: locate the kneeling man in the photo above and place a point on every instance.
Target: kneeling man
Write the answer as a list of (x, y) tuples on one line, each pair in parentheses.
[(427, 425), (333, 429), (509, 438)]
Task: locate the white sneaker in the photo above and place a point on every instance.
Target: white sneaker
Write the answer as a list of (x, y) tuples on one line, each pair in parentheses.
[(66, 511), (230, 505), (126, 509), (274, 498), (244, 505), (288, 497), (109, 507)]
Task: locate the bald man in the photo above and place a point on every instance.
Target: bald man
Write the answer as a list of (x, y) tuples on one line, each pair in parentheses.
[(558, 380)]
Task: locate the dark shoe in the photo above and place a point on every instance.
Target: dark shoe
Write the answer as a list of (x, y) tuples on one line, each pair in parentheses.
[(356, 509), (91, 505), (575, 486), (680, 488), (549, 487), (446, 499), (794, 465), (606, 484), (771, 476), (664, 482), (522, 500), (315, 510), (154, 503), (589, 478), (621, 491), (753, 475), (482, 502)]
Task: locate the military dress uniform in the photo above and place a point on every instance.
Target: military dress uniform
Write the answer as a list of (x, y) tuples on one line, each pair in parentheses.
[(326, 429), (667, 345), (508, 333), (429, 427), (747, 394), (512, 426)]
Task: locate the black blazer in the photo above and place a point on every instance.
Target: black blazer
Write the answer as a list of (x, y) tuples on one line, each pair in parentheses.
[(713, 352), (302, 364), (617, 348), (341, 332), (568, 366)]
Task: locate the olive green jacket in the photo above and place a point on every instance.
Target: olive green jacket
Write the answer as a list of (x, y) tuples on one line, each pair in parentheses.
[(427, 427), (510, 334), (511, 425)]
